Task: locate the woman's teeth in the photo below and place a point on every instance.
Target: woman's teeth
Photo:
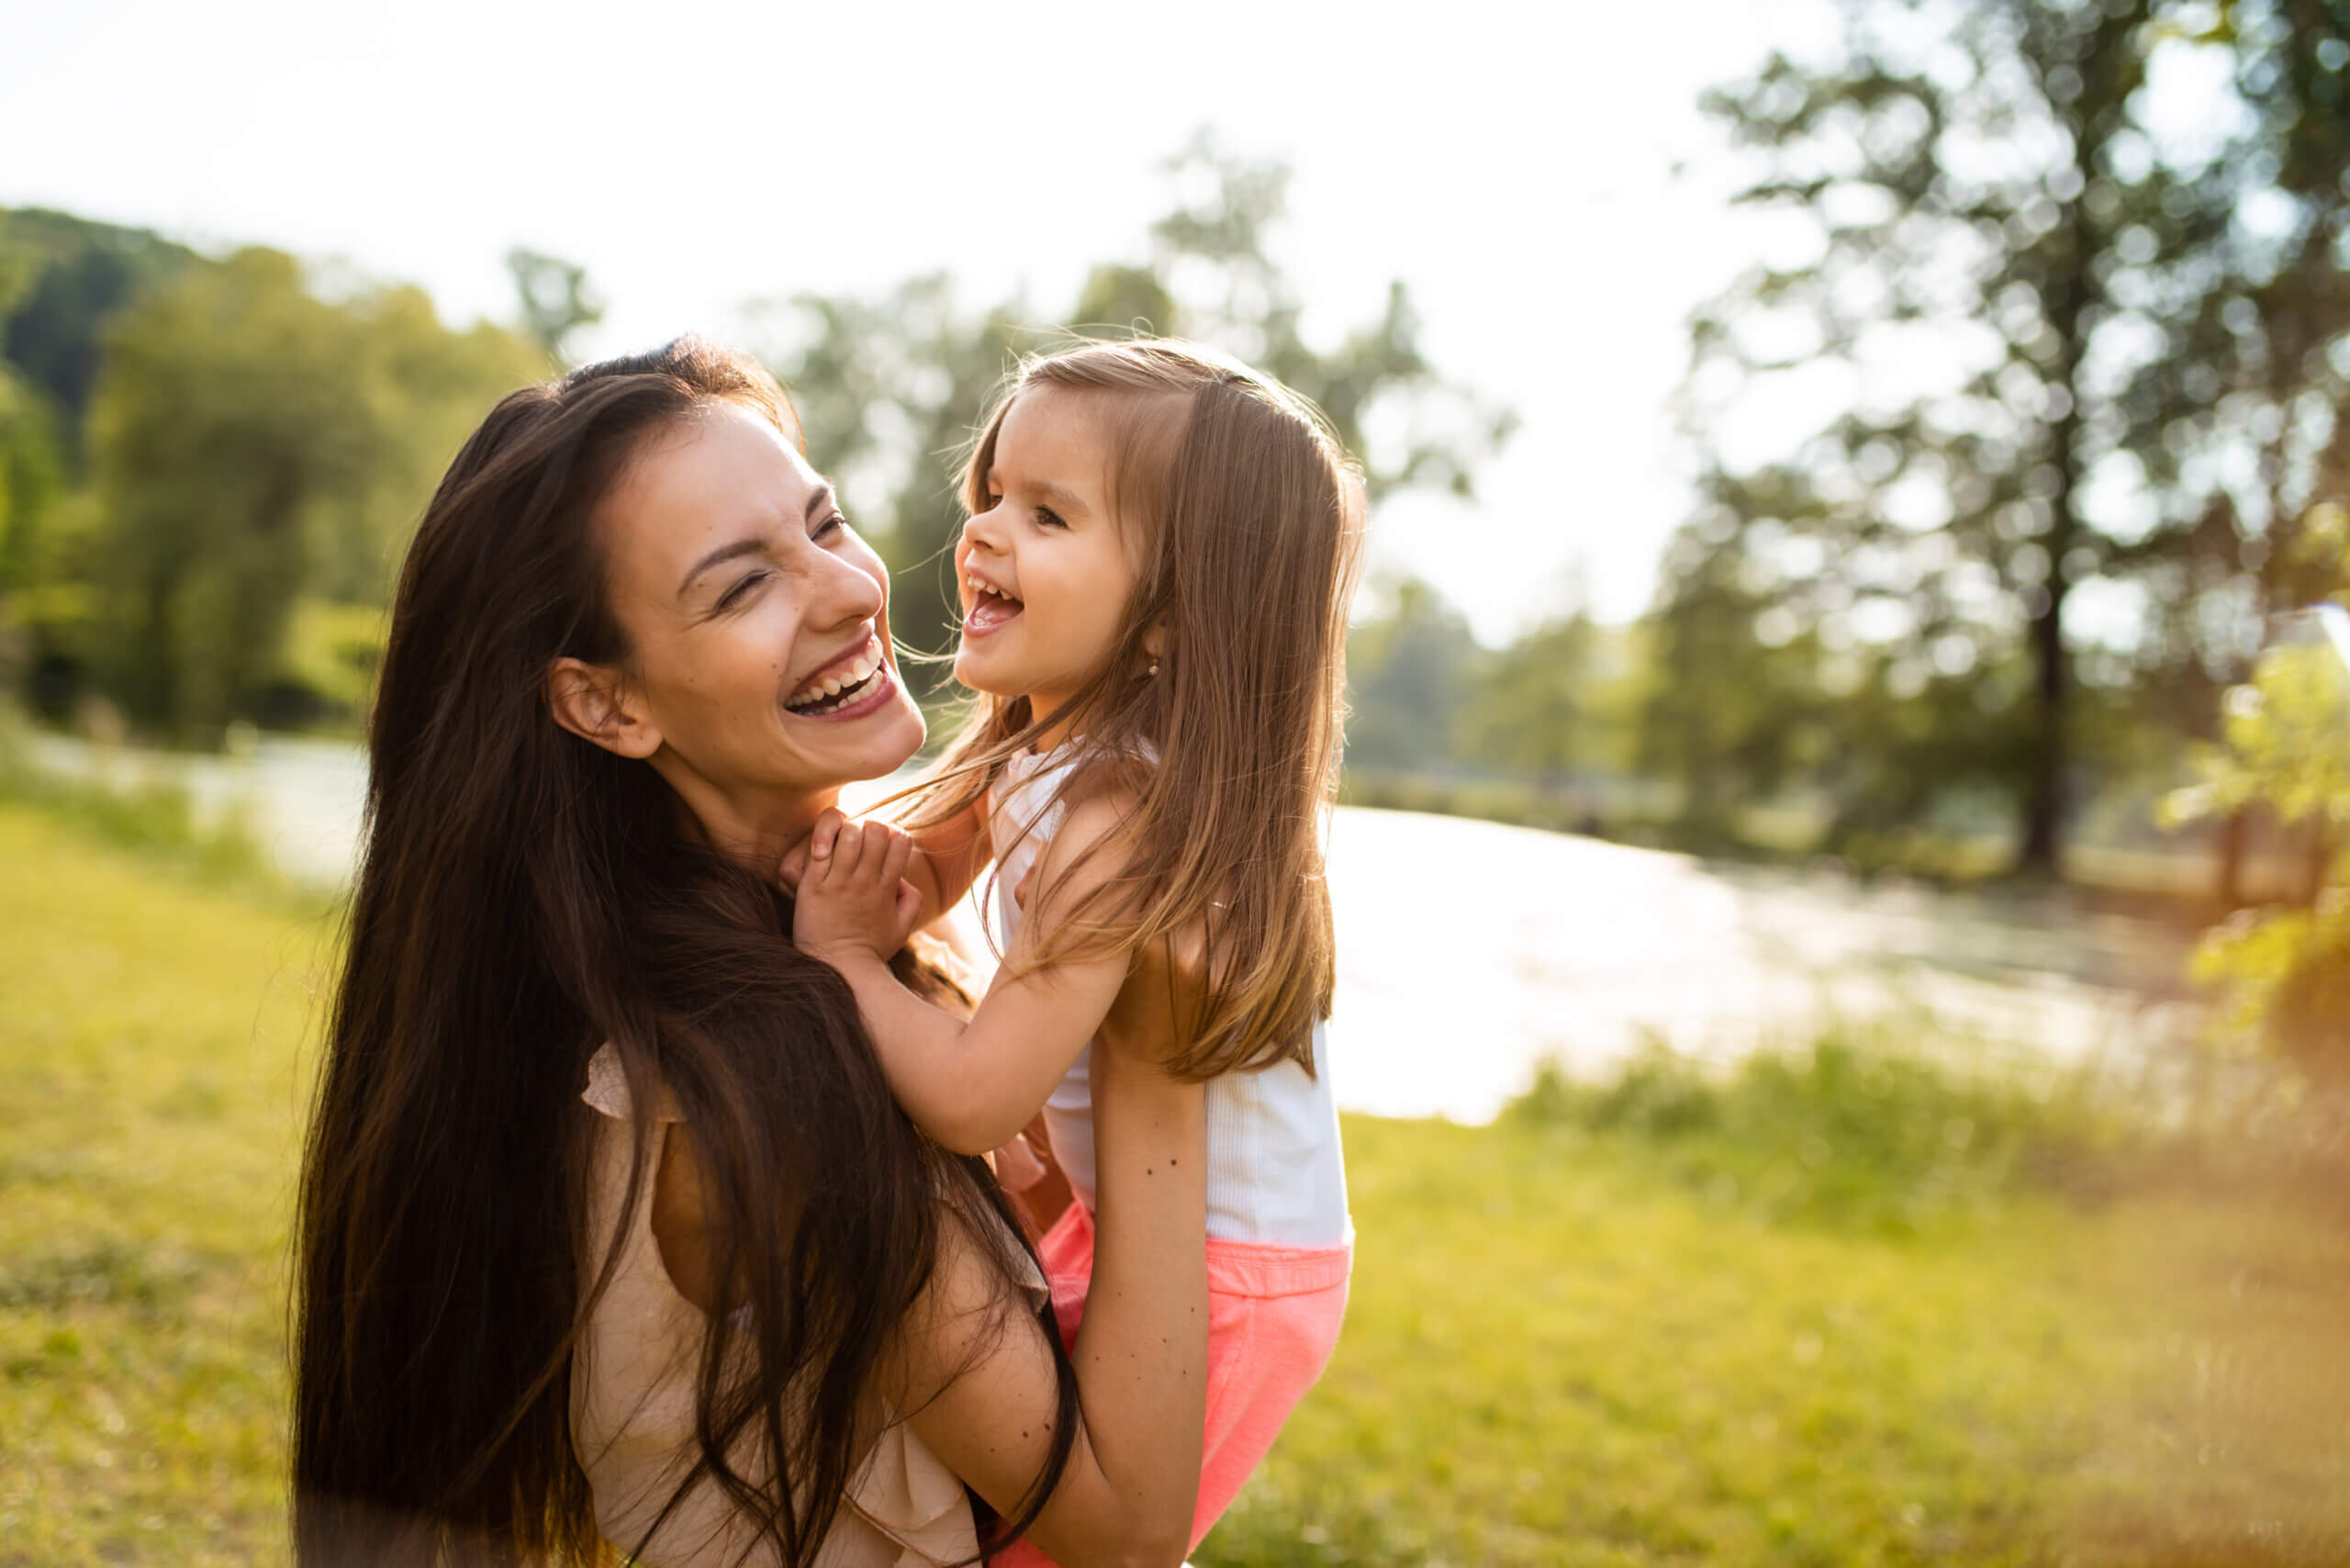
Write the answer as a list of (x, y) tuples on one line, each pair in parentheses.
[(850, 684)]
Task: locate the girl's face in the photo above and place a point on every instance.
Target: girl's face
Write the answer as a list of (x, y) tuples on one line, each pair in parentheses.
[(761, 671), (1046, 573)]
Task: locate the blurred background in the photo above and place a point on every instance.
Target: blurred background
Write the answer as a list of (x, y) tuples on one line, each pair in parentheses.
[(1845, 957)]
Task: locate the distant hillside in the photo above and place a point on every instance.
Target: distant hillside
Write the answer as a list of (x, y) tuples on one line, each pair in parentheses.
[(60, 277)]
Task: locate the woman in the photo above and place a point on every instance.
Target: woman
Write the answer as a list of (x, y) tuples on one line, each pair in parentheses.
[(610, 1229)]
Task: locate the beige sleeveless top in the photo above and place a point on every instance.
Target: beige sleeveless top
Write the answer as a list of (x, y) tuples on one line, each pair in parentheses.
[(632, 1408)]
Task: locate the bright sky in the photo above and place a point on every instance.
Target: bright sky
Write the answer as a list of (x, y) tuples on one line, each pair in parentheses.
[(1512, 163)]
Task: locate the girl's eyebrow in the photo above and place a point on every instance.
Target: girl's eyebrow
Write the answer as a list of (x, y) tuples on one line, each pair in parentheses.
[(1058, 494)]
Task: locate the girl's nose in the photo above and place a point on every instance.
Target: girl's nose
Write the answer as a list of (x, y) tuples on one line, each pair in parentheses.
[(979, 532)]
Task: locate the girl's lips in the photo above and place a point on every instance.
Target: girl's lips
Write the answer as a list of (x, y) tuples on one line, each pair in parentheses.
[(870, 703), (991, 614)]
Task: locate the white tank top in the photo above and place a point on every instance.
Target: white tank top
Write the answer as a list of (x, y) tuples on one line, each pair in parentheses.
[(1276, 1175)]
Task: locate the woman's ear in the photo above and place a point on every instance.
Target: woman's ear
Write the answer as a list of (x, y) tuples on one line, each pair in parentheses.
[(593, 702)]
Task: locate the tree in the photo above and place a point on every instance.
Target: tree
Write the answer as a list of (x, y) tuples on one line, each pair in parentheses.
[(1986, 195), (61, 279), (890, 386), (1411, 668), (1241, 301), (2254, 386), (555, 299), (252, 443)]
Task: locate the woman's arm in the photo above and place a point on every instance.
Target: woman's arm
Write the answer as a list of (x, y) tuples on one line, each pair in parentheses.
[(980, 1384), (970, 1085)]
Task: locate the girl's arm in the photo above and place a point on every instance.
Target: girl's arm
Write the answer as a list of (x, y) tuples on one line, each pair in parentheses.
[(947, 857), (981, 1387), (971, 1086)]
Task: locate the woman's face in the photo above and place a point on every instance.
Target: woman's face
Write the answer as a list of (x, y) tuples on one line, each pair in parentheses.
[(761, 676)]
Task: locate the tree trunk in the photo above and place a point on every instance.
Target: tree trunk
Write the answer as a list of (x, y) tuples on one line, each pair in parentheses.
[(2233, 835), (2041, 853)]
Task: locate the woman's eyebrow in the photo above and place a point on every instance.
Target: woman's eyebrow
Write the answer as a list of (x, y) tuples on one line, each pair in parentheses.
[(750, 544), (818, 501)]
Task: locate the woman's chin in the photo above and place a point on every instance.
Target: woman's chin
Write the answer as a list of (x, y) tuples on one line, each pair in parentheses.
[(888, 738)]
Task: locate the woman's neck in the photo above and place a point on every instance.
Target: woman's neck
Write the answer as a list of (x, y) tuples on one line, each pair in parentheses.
[(756, 827)]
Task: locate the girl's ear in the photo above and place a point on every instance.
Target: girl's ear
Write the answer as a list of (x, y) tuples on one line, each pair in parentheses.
[(594, 702)]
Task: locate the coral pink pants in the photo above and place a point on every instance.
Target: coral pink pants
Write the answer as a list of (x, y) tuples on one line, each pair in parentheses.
[(1273, 1316)]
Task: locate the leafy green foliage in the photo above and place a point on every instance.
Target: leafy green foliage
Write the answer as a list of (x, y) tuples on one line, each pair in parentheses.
[(555, 299), (1847, 1131), (2284, 972), (890, 386), (2058, 334), (62, 278), (253, 441), (1411, 668)]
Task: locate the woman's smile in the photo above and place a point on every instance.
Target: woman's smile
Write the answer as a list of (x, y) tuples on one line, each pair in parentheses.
[(850, 686)]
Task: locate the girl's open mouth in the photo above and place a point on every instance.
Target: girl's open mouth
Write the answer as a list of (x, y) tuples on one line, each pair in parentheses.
[(991, 611)]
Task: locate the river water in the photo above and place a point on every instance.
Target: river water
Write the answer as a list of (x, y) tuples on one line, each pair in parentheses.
[(1470, 951)]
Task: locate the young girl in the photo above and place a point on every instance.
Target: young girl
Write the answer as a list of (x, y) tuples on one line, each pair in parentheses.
[(1155, 579)]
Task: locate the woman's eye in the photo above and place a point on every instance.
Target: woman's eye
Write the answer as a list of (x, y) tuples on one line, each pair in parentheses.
[(833, 524), (740, 590)]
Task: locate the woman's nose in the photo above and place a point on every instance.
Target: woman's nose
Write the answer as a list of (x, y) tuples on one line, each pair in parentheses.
[(845, 592)]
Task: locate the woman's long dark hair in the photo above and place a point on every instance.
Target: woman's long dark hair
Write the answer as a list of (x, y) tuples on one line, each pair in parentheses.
[(523, 896)]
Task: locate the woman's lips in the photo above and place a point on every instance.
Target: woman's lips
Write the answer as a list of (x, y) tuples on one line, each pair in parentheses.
[(885, 687), (991, 614)]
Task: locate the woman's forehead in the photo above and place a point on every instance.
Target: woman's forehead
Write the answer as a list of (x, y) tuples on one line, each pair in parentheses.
[(725, 469)]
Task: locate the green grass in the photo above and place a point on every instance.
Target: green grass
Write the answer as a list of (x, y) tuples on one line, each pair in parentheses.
[(1678, 1319), (1783, 1316), (150, 1093)]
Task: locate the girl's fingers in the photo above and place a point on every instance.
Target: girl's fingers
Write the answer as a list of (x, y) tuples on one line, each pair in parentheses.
[(793, 866), (909, 907), (897, 851), (821, 836), (848, 847)]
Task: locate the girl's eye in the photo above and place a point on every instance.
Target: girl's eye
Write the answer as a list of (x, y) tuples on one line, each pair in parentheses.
[(740, 590), (1047, 518)]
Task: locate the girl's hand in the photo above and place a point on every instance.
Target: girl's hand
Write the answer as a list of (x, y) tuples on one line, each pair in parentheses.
[(853, 896)]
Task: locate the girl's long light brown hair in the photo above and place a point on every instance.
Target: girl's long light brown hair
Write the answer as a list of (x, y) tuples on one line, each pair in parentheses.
[(1247, 520)]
